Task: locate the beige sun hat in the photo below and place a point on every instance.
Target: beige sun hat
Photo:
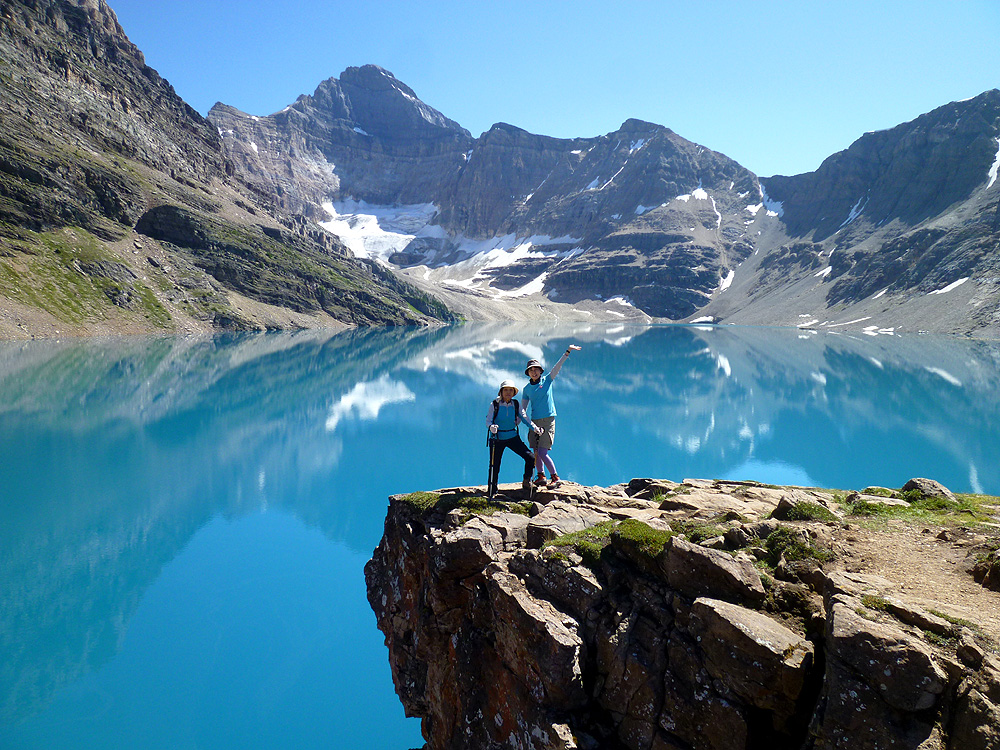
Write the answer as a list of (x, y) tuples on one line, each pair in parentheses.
[(507, 384)]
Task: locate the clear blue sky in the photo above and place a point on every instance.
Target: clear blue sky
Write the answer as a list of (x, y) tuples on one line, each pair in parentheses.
[(778, 86)]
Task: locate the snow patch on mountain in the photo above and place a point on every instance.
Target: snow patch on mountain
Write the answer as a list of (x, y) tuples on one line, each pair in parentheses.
[(613, 176), (698, 194), (775, 207), (377, 232), (996, 166), (534, 286), (718, 215), (856, 210), (623, 301), (952, 285)]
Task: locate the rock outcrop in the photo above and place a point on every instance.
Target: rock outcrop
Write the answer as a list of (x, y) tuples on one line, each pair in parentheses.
[(667, 616)]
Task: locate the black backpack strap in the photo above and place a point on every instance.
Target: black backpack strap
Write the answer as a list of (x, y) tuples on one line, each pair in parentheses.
[(496, 408)]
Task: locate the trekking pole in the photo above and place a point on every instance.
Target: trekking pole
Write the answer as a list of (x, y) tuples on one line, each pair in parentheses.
[(489, 477)]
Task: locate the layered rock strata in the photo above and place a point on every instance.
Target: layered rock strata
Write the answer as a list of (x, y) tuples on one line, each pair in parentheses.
[(669, 616)]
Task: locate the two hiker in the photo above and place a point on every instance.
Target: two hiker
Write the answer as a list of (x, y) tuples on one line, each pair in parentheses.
[(506, 413)]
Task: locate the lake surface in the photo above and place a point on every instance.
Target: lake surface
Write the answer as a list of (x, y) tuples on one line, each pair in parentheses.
[(184, 521)]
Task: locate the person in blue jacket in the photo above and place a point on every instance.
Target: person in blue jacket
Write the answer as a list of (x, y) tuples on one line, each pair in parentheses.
[(502, 420), (537, 397)]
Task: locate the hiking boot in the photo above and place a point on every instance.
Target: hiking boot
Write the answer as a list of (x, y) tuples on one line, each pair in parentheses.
[(540, 481), (526, 485), (554, 481)]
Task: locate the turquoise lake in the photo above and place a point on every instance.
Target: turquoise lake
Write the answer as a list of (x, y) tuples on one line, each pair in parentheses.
[(184, 520)]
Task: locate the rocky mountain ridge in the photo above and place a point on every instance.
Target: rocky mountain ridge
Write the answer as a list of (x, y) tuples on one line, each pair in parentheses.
[(96, 149), (701, 615), (676, 230), (640, 211)]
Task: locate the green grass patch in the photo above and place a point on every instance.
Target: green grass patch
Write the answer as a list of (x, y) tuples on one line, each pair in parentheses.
[(809, 511), (47, 276), (641, 536), (878, 603), (945, 640), (477, 505), (958, 622), (879, 492), (697, 532), (588, 543), (422, 501), (964, 510), (790, 544), (473, 505)]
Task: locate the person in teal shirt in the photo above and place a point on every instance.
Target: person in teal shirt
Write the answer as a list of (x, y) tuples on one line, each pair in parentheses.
[(536, 398)]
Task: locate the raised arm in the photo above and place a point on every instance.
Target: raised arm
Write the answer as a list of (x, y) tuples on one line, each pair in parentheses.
[(558, 365)]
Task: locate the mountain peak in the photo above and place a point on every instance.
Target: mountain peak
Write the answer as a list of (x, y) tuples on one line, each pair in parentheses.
[(373, 77), (633, 125), (373, 99)]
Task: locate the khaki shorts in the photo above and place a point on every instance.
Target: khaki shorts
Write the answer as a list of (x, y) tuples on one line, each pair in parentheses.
[(548, 436)]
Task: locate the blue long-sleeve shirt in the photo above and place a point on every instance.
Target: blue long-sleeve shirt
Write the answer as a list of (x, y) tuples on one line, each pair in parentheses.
[(507, 418)]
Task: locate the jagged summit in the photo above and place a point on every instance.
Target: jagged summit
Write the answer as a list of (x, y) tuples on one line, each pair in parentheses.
[(374, 100), (632, 125)]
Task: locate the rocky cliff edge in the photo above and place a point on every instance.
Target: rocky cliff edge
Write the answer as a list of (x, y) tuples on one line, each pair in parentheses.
[(697, 615)]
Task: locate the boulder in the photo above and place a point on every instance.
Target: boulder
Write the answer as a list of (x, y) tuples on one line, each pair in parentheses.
[(759, 659), (928, 488), (560, 518), (696, 571), (512, 527), (647, 489), (578, 494), (467, 550), (970, 652), (977, 723), (855, 718), (897, 667), (536, 642), (573, 588)]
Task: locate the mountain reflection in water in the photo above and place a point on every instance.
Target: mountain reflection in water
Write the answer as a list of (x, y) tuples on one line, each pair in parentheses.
[(120, 456)]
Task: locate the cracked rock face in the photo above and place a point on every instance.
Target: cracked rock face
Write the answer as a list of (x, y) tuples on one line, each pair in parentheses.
[(502, 634)]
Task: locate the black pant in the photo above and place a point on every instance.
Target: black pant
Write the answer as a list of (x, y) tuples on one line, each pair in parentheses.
[(496, 453)]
